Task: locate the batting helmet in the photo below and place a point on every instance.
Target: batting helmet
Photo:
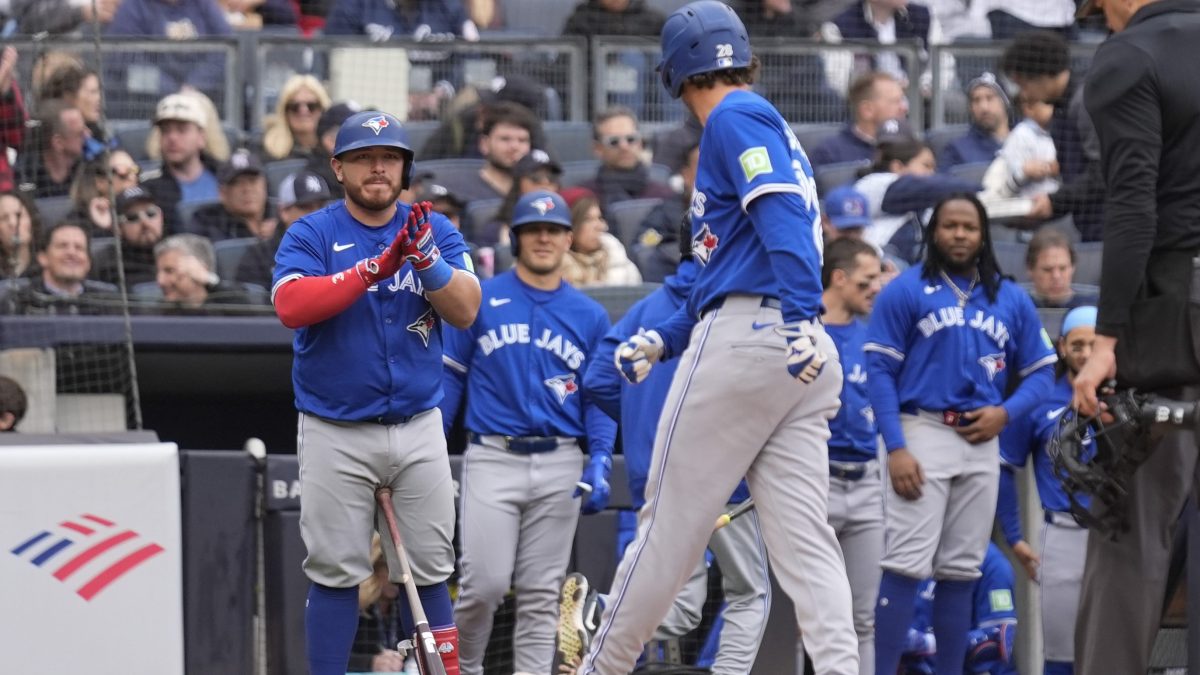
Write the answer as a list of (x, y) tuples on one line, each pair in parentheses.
[(539, 206), (701, 37), (371, 128)]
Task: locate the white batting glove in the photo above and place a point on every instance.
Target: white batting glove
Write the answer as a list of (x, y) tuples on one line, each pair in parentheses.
[(804, 360), (635, 356)]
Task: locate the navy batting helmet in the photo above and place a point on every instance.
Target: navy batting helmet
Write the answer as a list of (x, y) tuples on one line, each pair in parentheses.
[(371, 128), (701, 37), (539, 206)]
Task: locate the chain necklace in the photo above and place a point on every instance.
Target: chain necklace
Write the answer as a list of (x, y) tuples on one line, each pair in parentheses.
[(963, 296)]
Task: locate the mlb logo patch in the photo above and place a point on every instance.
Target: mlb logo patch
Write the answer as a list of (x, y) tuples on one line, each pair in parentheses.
[(377, 124)]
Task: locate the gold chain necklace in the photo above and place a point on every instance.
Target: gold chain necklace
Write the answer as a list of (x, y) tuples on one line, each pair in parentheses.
[(963, 296)]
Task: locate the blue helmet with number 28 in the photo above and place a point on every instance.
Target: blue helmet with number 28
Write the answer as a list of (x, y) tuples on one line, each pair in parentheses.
[(701, 37)]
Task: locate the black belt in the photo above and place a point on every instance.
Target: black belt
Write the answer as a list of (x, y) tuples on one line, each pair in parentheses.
[(767, 301), (851, 471), (389, 421), (524, 445), (1061, 519), (951, 418)]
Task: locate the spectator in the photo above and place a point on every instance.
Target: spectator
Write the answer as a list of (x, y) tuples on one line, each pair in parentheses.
[(459, 133), (13, 404), (327, 128), (1040, 64), (596, 258), (777, 18), (62, 287), (19, 230), (243, 209), (46, 64), (49, 167), (1028, 163), (989, 125), (56, 16), (189, 174), (379, 628), (91, 190), (507, 133), (79, 87), (846, 214), (1012, 18), (253, 15), (180, 20), (216, 143), (901, 187), (141, 227), (537, 170), (657, 249), (613, 17), (1050, 260), (12, 116), (885, 22), (299, 195), (623, 173), (292, 130), (184, 265), (381, 20), (874, 98)]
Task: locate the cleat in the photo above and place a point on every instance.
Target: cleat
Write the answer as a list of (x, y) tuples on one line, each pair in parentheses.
[(577, 621)]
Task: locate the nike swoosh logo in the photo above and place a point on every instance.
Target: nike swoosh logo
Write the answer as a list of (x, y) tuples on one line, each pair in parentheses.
[(930, 290), (497, 302), (759, 326), (1055, 413), (338, 248)]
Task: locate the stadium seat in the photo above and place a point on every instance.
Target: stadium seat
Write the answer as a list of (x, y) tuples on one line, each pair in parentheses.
[(812, 134), (100, 245), (626, 218), (418, 133), (569, 141), (477, 214), (1010, 255), (1051, 320), (831, 176), (972, 172), (579, 171), (543, 18), (229, 253), (618, 299), (666, 6), (188, 209), (1087, 262), (53, 209), (448, 171), (939, 137), (278, 170), (132, 139)]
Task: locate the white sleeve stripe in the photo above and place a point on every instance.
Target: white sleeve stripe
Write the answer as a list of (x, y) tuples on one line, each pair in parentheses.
[(769, 187), (454, 364), (281, 282), (1044, 361), (886, 351)]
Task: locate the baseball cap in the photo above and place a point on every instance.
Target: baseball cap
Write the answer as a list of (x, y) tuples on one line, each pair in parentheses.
[(335, 115), (1083, 315), (433, 192), (847, 208), (240, 163), (893, 130), (534, 160), (987, 79), (301, 187), (133, 195), (541, 206), (182, 108)]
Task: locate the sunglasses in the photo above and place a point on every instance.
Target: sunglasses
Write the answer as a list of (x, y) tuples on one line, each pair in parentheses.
[(310, 106), (615, 141), (145, 214)]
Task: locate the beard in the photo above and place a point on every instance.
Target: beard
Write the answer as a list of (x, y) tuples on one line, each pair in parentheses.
[(373, 201)]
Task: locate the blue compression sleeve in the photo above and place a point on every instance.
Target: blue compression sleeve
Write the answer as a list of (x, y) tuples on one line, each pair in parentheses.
[(1007, 510), (602, 380), (601, 429), (885, 398), (1034, 388)]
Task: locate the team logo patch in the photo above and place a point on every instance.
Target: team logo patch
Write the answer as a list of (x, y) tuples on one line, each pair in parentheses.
[(543, 205), (87, 552), (704, 243), (562, 386), (868, 414), (755, 162), (1000, 600), (424, 325), (377, 124), (993, 364)]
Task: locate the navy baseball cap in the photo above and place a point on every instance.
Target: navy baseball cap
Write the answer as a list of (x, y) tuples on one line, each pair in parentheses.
[(302, 187), (133, 195), (847, 208), (541, 206), (534, 160), (241, 163)]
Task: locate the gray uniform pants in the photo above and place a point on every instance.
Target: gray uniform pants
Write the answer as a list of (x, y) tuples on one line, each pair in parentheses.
[(1121, 600), (733, 410), (1064, 545), (742, 557), (516, 526)]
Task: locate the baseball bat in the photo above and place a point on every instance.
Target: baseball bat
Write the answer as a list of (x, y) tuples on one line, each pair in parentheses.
[(740, 509), (429, 661)]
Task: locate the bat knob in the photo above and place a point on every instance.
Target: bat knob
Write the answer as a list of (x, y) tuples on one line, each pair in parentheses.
[(722, 521)]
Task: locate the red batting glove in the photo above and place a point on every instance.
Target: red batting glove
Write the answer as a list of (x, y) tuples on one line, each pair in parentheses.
[(385, 264), (421, 249)]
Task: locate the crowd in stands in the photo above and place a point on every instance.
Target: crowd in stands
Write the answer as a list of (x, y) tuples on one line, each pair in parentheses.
[(194, 216)]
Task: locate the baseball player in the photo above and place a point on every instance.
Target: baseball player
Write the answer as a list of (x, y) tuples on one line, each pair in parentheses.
[(941, 343), (365, 282), (1063, 540), (851, 277), (738, 547), (993, 623), (748, 331), (520, 367)]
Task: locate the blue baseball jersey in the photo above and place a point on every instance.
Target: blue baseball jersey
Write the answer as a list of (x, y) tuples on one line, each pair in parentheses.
[(638, 407), (1030, 435), (381, 357), (941, 356), (747, 150), (853, 431), (523, 362)]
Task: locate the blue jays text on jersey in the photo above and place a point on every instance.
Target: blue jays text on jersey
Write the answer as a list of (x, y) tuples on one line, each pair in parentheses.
[(742, 243), (852, 431), (947, 357), (522, 363), (336, 371)]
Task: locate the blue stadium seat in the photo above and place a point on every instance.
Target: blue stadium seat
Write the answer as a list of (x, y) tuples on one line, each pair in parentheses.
[(1010, 255), (229, 253), (812, 134), (569, 141), (448, 171), (939, 137), (53, 209), (279, 169), (578, 171), (831, 176), (626, 218), (1087, 262)]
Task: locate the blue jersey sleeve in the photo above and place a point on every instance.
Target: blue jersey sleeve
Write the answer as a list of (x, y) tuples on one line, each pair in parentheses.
[(1035, 359), (457, 350), (602, 382), (450, 242), (994, 589), (885, 346), (300, 254), (601, 426)]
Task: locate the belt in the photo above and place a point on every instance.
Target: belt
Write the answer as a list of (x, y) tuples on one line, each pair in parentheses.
[(389, 421), (767, 301), (851, 471), (951, 418), (522, 445), (1061, 519)]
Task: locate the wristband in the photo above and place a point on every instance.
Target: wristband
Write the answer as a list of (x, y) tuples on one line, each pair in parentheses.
[(437, 276)]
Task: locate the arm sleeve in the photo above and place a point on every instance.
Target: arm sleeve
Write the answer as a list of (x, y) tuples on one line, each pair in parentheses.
[(1014, 152), (884, 349), (1034, 387), (458, 346), (917, 193), (602, 382), (785, 226), (676, 331), (12, 118), (1008, 511), (950, 157), (1035, 359), (1122, 100), (601, 427)]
